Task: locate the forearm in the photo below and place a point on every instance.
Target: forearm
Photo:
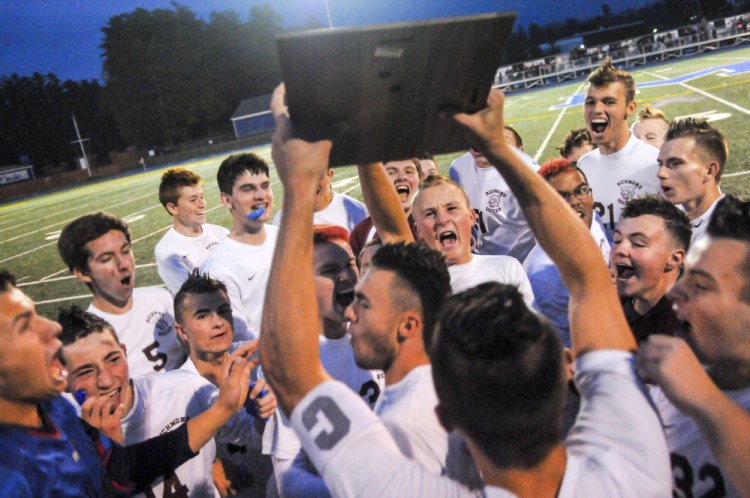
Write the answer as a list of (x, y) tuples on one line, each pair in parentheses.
[(289, 341), (204, 427), (726, 428), (383, 203)]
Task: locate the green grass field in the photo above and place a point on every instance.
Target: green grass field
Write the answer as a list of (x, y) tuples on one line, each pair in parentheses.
[(29, 228)]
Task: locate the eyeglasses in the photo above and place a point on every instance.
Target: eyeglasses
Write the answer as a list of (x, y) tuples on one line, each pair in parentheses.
[(580, 193)]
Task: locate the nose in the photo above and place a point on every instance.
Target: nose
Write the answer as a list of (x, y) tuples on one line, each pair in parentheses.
[(349, 314), (662, 172), (103, 379)]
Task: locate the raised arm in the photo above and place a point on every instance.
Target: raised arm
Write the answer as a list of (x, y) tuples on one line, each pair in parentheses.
[(382, 202), (289, 350), (596, 317)]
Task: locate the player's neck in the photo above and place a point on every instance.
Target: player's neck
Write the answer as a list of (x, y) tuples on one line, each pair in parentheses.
[(324, 201), (111, 306), (542, 481), (695, 208), (187, 230), (410, 356), (253, 234), (209, 365), (615, 144), (20, 413)]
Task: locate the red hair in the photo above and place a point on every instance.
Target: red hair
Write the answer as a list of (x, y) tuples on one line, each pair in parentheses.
[(555, 167), (329, 233)]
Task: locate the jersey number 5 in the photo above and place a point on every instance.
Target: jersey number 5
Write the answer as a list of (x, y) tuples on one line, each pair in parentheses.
[(154, 355)]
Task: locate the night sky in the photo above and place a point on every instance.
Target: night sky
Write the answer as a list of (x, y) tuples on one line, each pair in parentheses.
[(63, 36)]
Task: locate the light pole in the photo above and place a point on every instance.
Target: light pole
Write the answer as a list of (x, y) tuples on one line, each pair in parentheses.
[(328, 14)]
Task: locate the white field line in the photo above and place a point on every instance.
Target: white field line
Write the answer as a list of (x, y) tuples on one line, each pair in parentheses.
[(738, 173), (67, 277), (705, 94), (554, 127), (62, 299)]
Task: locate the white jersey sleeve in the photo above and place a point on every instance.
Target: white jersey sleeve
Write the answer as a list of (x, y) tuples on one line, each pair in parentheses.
[(356, 454), (617, 446)]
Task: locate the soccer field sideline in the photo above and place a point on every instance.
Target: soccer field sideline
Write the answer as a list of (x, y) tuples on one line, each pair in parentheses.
[(28, 238)]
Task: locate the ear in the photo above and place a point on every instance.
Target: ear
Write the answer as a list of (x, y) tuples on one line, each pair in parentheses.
[(570, 360), (473, 216), (409, 326), (124, 349), (329, 173), (181, 333), (443, 418), (711, 172), (171, 208), (226, 200), (630, 109), (675, 261), (82, 276)]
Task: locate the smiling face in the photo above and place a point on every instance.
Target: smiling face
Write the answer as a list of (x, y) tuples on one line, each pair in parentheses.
[(205, 322), (30, 369), (249, 192), (651, 131), (683, 175), (190, 210), (405, 178), (443, 221), (111, 272), (335, 270), (97, 365), (606, 112), (567, 184), (373, 320), (709, 300), (642, 250)]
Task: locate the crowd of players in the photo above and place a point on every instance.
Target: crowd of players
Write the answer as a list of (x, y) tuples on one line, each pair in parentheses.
[(570, 329)]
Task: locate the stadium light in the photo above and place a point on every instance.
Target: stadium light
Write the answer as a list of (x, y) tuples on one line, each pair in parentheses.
[(328, 14)]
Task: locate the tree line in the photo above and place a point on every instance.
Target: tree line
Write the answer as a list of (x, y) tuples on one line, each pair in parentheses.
[(171, 78)]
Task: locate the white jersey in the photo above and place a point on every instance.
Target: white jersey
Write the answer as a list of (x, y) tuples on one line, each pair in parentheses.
[(244, 269), (177, 255), (616, 178), (407, 408), (484, 268), (162, 403), (343, 211), (615, 449), (147, 331), (700, 224), (694, 467), (337, 357), (503, 229)]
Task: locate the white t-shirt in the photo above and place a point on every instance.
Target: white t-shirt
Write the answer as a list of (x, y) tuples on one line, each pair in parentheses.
[(700, 224), (244, 269), (407, 408), (615, 449), (160, 404), (695, 469), (343, 211), (177, 255), (503, 229), (147, 331), (616, 178), (484, 268)]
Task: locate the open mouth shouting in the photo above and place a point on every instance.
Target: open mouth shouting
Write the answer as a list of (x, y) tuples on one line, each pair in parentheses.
[(447, 239), (624, 272), (343, 295), (403, 190), (599, 126)]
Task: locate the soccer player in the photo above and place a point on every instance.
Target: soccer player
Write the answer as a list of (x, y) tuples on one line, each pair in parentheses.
[(551, 296), (622, 167), (96, 248), (512, 428), (691, 162), (332, 208), (242, 260), (152, 405), (650, 125), (406, 176), (502, 229), (204, 322), (187, 243), (429, 166), (705, 416), (648, 251), (48, 450), (575, 144)]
